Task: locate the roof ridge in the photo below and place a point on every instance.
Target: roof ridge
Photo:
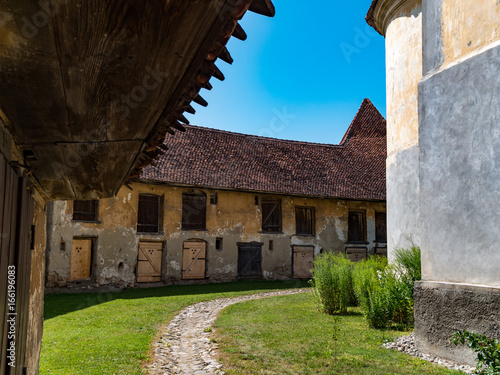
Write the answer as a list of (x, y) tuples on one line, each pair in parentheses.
[(363, 108), (206, 128)]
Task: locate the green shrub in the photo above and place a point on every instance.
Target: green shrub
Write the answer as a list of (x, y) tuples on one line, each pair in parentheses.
[(408, 265), (399, 297), (488, 351), (385, 293), (332, 282), (369, 291)]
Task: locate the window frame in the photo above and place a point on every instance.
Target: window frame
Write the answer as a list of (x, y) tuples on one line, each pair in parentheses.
[(194, 226), (377, 237), (312, 223), (95, 213), (140, 226), (271, 228), (363, 227)]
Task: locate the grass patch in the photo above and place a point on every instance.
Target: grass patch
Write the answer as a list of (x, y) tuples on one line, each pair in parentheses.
[(111, 333), (288, 335)]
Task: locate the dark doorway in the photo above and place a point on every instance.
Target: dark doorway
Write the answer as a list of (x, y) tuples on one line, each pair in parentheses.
[(250, 259)]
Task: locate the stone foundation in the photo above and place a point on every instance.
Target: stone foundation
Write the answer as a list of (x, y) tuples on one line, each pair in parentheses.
[(444, 308)]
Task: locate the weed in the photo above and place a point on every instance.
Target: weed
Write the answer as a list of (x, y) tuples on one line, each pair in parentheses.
[(488, 351), (332, 280)]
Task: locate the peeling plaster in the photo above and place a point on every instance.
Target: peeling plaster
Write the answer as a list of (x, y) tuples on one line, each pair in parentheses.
[(235, 219)]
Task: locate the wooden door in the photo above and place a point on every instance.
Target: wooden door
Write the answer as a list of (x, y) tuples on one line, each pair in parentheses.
[(193, 260), (250, 259), (149, 262), (81, 259), (16, 220), (356, 254), (303, 257)]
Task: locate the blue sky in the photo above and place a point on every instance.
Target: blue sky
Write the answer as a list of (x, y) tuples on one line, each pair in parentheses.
[(301, 75)]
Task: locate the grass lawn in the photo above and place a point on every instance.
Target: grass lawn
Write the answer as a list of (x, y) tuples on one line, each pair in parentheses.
[(288, 335), (111, 333)]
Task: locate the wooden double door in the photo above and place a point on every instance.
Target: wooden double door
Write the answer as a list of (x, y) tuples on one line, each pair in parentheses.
[(303, 257), (249, 259), (149, 262), (194, 257), (81, 259)]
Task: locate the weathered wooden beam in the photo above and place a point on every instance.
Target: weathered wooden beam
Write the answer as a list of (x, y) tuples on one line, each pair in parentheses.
[(207, 86), (199, 100), (179, 126), (218, 74), (239, 33), (190, 109), (184, 120), (264, 7), (226, 56)]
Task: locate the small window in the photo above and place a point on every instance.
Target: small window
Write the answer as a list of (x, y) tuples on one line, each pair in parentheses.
[(32, 237), (213, 198), (357, 226), (271, 245), (380, 227), (271, 215), (85, 210), (148, 218), (194, 212), (218, 243), (304, 220)]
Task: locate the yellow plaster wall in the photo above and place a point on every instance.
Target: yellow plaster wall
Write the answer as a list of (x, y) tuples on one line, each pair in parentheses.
[(468, 26), (235, 218), (404, 71)]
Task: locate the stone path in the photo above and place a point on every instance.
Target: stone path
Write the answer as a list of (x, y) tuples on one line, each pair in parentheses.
[(185, 346)]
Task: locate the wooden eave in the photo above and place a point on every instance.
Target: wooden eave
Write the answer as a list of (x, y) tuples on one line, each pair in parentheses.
[(90, 88)]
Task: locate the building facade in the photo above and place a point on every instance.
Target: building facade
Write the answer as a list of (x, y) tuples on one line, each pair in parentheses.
[(443, 93), (222, 206)]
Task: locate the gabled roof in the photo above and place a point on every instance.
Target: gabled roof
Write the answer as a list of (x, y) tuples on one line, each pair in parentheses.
[(211, 158)]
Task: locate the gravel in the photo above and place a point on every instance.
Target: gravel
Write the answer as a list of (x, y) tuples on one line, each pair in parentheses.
[(406, 344)]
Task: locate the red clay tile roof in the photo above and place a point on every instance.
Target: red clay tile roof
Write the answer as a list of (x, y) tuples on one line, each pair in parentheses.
[(205, 157)]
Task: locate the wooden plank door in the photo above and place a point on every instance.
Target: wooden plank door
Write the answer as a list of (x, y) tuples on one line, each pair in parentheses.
[(194, 256), (250, 259), (356, 254), (149, 262), (81, 259), (303, 257), (16, 220)]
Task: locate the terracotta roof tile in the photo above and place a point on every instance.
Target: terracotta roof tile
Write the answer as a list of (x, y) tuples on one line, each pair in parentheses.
[(205, 157)]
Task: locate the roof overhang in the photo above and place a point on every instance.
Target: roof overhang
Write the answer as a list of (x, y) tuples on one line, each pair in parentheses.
[(89, 89), (382, 12)]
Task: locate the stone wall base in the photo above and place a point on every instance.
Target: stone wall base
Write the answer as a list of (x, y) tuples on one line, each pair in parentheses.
[(444, 308)]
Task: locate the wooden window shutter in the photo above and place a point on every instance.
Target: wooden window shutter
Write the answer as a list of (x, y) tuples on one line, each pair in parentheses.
[(357, 226), (194, 212), (380, 227), (271, 215), (148, 214), (304, 220), (85, 210)]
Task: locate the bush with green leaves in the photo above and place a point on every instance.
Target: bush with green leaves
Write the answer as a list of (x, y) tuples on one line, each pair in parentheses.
[(332, 282), (487, 349), (408, 264), (384, 292), (369, 291)]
